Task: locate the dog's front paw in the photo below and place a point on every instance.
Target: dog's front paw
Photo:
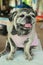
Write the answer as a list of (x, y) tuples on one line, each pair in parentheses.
[(28, 57), (9, 58)]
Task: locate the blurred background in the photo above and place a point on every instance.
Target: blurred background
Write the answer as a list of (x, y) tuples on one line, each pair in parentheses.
[(5, 8)]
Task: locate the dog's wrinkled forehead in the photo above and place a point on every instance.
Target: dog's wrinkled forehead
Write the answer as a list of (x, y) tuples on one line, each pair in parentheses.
[(22, 11), (25, 14), (26, 11)]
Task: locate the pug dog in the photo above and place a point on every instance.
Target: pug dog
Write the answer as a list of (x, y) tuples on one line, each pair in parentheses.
[(22, 26)]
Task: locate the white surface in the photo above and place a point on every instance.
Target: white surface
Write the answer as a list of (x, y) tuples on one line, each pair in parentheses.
[(20, 60)]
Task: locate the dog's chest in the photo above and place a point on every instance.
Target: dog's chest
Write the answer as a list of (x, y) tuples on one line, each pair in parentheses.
[(19, 40)]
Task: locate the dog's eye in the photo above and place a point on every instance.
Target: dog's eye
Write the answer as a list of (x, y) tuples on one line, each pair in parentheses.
[(33, 15), (22, 15)]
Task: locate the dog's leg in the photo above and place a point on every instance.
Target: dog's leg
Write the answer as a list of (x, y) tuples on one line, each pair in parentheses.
[(12, 50), (12, 46), (27, 51), (27, 46)]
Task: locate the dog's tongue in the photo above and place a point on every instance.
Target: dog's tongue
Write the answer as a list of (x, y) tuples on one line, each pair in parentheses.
[(28, 25)]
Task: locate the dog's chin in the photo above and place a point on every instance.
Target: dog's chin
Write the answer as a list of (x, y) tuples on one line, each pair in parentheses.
[(24, 30)]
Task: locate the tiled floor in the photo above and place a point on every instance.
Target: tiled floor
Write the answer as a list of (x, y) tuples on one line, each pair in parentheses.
[(38, 30)]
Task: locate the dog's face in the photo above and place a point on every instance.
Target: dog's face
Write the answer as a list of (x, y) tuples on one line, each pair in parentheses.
[(24, 19)]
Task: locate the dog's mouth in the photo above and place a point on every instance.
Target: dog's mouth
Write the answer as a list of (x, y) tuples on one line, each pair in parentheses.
[(28, 25), (24, 28)]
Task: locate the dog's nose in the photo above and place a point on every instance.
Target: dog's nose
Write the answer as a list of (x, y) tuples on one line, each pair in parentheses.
[(28, 19)]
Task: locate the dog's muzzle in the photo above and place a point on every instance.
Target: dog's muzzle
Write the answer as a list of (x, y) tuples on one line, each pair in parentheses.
[(28, 22)]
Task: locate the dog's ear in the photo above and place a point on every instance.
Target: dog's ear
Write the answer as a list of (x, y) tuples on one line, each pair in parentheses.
[(12, 15), (35, 12)]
